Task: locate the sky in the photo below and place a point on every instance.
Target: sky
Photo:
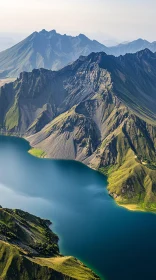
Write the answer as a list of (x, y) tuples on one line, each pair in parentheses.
[(103, 20)]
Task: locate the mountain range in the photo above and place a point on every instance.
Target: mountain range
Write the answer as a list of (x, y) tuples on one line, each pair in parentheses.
[(100, 110), (53, 51), (47, 50), (132, 47)]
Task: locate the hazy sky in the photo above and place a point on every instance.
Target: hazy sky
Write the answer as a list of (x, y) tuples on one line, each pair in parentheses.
[(120, 20)]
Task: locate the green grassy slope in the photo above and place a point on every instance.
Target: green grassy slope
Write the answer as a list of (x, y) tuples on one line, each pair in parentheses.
[(12, 117), (29, 250), (132, 175), (15, 265), (37, 153)]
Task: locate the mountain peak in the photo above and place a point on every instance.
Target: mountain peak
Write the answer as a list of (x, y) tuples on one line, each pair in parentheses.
[(145, 52), (53, 31), (140, 40), (97, 55), (82, 36), (43, 31), (46, 49)]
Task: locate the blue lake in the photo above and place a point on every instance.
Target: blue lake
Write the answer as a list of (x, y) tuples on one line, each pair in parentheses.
[(116, 243)]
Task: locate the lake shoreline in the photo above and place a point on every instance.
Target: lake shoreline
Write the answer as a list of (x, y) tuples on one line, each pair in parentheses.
[(39, 153), (129, 206), (89, 222)]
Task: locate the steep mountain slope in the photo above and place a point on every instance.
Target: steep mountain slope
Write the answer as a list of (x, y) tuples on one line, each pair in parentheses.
[(44, 49), (29, 250), (101, 110), (133, 77)]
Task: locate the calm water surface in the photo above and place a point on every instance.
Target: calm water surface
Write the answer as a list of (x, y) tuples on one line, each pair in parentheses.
[(116, 243)]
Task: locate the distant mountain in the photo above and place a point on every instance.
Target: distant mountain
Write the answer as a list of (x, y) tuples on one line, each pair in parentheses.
[(132, 47), (53, 51), (100, 110), (44, 49)]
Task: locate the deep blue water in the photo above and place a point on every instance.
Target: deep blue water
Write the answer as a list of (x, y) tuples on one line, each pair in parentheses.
[(116, 243)]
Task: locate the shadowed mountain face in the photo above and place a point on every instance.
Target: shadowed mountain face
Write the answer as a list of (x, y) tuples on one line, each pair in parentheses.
[(38, 97), (100, 110), (44, 49), (133, 77)]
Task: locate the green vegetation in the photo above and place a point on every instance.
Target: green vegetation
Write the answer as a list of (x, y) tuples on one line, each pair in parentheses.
[(28, 229), (126, 154), (37, 153), (130, 181), (12, 117), (15, 264), (68, 266), (29, 250)]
